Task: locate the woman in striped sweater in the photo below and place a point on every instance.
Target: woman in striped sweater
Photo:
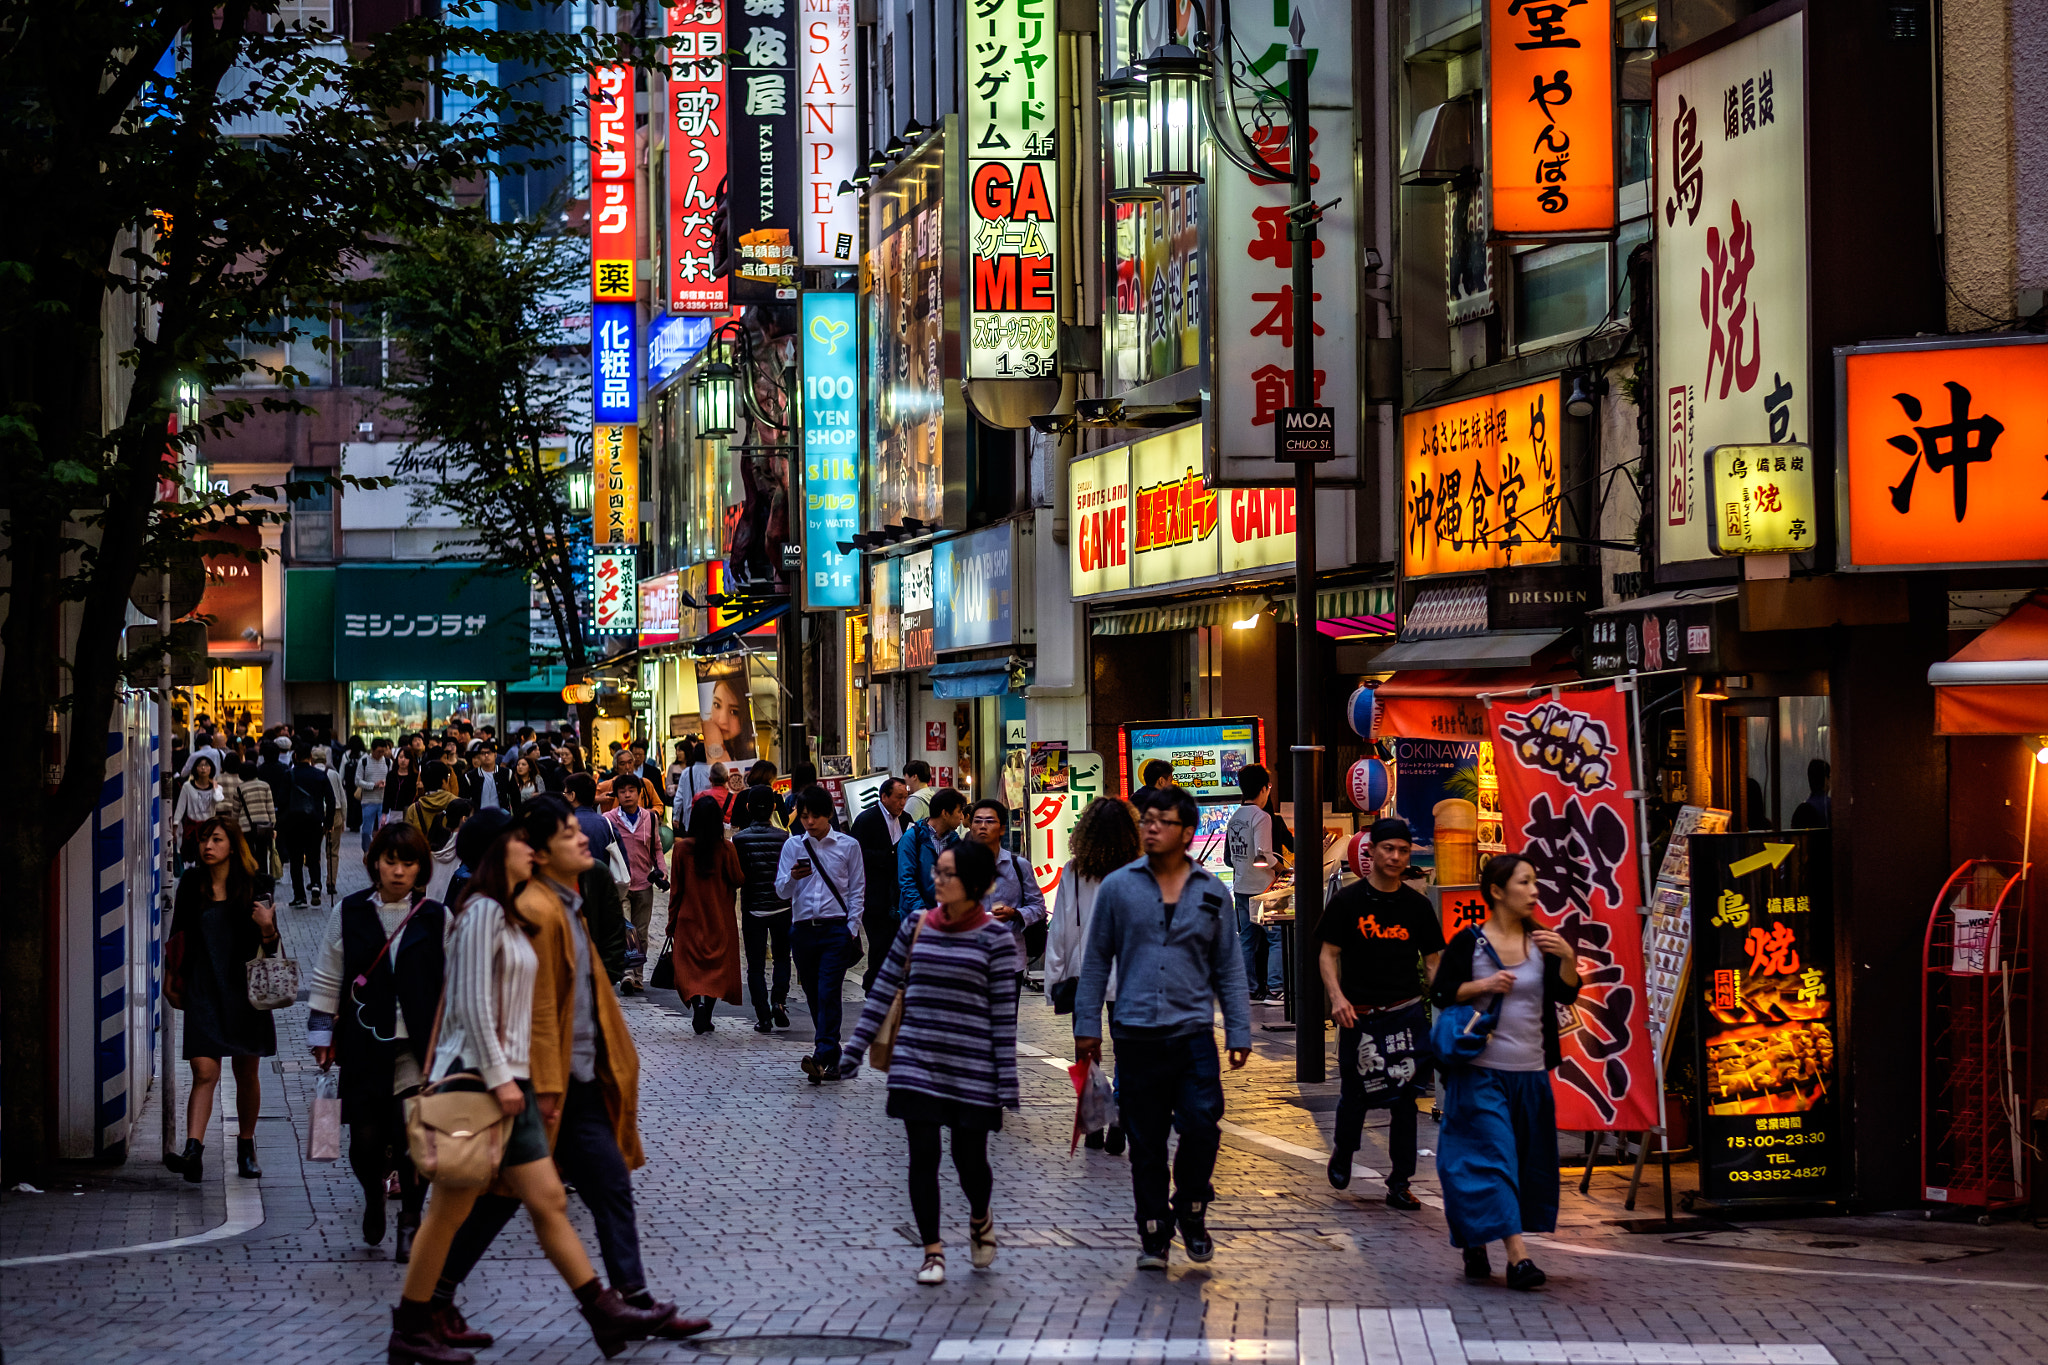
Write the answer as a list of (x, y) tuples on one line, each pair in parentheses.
[(955, 1060), (486, 1026)]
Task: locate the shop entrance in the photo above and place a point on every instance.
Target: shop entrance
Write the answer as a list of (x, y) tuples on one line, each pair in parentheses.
[(1774, 753)]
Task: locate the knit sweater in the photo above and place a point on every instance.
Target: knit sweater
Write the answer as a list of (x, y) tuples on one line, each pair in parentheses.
[(958, 1039), (487, 1023)]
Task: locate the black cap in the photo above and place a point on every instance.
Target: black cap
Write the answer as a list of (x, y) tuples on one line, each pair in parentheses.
[(1382, 830), (478, 833)]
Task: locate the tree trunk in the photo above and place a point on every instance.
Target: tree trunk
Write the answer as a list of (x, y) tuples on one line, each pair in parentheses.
[(26, 1061)]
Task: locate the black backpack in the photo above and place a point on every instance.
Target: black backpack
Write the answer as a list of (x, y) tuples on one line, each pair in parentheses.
[(305, 802)]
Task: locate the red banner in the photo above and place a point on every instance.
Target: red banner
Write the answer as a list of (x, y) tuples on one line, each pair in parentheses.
[(696, 155), (614, 233), (1564, 766)]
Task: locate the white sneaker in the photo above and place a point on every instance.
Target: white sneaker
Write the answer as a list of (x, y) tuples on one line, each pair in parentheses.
[(933, 1271), (981, 1241)]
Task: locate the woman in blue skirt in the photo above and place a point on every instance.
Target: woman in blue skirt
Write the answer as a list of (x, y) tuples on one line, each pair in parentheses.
[(1497, 1149)]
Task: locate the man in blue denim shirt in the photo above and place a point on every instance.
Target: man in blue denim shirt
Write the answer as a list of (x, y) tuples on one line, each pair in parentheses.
[(1165, 925)]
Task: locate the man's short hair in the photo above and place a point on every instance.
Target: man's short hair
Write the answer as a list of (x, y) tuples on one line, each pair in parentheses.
[(760, 802), (626, 782), (320, 754), (803, 775), (1253, 778), (816, 801), (1154, 769), (1176, 802), (379, 743), (433, 775), (762, 774), (989, 803), (947, 801), (890, 784), (918, 769), (582, 789), (639, 744)]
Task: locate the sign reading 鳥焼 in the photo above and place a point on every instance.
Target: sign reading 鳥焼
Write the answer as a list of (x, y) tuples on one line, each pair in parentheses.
[(1480, 482), (1550, 119), (1013, 181), (614, 185), (697, 117), (1763, 499), (1729, 211), (615, 484)]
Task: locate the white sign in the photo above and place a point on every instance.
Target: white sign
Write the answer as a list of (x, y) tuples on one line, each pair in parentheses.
[(1011, 321), (1099, 515), (1252, 282), (1051, 816), (830, 131), (1729, 211)]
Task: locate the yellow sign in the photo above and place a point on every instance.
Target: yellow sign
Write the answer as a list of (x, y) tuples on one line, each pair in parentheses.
[(1480, 482), (613, 280), (615, 484), (1773, 855), (1762, 500)]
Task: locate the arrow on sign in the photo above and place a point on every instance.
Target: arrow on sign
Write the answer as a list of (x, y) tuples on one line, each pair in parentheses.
[(1773, 855)]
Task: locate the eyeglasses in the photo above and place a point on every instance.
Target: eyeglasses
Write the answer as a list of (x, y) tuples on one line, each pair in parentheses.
[(942, 876), (1155, 822)]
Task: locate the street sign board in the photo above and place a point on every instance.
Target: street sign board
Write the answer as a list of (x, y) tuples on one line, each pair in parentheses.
[(1305, 434)]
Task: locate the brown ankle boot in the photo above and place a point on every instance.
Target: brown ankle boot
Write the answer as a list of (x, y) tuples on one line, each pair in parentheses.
[(453, 1328), (415, 1342), (676, 1327), (614, 1322)]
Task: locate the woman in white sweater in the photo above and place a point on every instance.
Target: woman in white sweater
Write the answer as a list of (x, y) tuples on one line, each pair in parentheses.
[(486, 1027)]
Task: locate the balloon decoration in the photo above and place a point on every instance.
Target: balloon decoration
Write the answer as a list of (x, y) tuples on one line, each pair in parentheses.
[(1369, 784), (1359, 712), (1358, 853)]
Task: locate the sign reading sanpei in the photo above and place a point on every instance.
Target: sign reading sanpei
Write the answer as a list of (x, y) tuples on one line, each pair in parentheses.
[(1013, 181), (1729, 210), (831, 451), (430, 621), (830, 130)]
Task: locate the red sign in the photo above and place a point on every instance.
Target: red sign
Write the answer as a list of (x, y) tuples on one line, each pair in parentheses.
[(1564, 767), (696, 154), (935, 736), (614, 229)]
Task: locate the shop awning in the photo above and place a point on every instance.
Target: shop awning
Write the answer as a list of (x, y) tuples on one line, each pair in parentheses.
[(970, 678), (1444, 703), (717, 640), (1370, 607), (1998, 683), (1498, 649)]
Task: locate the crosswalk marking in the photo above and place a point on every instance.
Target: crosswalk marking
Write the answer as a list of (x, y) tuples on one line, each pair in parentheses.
[(1646, 1353), (1119, 1348)]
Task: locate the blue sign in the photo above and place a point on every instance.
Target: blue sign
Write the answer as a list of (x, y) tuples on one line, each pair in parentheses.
[(672, 343), (614, 363), (831, 451), (971, 590)]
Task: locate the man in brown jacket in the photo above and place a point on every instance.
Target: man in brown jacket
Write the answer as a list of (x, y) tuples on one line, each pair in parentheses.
[(586, 1077)]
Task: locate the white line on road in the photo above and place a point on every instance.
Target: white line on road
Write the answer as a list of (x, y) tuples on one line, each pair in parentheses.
[(1118, 1348), (1646, 1353)]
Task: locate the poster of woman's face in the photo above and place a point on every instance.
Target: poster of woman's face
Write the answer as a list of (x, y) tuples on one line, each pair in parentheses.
[(728, 711)]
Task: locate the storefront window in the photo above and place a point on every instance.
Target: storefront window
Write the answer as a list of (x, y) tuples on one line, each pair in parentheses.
[(475, 702), (387, 709)]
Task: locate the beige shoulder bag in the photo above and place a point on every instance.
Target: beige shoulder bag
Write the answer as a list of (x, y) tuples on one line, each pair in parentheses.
[(455, 1137), (884, 1045)]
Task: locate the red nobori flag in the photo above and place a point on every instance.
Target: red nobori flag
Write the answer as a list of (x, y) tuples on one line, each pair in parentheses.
[(1564, 766)]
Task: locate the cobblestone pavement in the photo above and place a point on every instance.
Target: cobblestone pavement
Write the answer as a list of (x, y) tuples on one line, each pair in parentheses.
[(778, 1207)]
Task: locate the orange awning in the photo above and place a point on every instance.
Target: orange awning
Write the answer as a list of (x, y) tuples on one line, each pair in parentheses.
[(1998, 683), (1444, 703)]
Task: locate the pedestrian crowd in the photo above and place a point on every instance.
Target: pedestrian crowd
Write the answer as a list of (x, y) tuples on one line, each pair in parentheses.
[(468, 1000)]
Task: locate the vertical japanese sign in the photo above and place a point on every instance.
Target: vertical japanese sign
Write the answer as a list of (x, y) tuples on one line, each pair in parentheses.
[(1550, 118), (1729, 211), (831, 451), (615, 481), (614, 186), (1253, 300), (1763, 953), (915, 595), (1013, 181), (614, 363), (830, 129), (697, 117), (910, 405), (1053, 816), (761, 126), (1564, 767), (1763, 500), (1479, 482), (1940, 453), (614, 591)]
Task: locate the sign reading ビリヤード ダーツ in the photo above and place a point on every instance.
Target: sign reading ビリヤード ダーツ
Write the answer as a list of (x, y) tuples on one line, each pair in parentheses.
[(1763, 981), (430, 621)]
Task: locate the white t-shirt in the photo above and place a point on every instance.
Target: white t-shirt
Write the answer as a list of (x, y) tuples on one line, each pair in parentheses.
[(1249, 833)]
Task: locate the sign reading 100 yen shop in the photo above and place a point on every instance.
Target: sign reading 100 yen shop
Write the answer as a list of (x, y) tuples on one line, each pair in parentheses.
[(1012, 182), (1764, 987)]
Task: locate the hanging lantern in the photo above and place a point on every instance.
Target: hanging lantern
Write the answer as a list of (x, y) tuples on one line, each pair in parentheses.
[(1359, 711), (1126, 112), (1369, 784), (716, 399), (1175, 80), (579, 694)]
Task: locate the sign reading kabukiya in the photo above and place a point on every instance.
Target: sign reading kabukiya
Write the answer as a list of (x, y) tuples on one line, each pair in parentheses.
[(1012, 182)]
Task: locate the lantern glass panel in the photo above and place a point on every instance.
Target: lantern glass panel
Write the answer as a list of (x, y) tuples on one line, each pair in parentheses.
[(1175, 131), (716, 398), (1128, 119)]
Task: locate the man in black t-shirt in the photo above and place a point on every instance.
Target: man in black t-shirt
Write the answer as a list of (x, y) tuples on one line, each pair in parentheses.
[(1380, 940)]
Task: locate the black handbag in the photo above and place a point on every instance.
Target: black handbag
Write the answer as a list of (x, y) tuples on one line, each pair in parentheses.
[(664, 976)]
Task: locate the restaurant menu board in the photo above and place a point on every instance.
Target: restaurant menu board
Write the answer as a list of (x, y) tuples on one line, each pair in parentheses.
[(1206, 756), (1667, 938), (1763, 941)]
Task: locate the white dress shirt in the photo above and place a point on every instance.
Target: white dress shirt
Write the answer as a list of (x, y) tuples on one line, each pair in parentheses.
[(837, 857)]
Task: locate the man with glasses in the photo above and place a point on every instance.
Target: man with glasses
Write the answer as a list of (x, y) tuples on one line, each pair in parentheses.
[(1014, 897), (1167, 1071)]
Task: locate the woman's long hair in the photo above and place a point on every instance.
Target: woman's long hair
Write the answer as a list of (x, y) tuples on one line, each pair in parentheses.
[(241, 862), (1105, 839), (492, 881), (707, 834), (1494, 878)]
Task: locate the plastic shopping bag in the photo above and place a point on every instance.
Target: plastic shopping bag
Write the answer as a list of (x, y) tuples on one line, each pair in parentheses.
[(323, 1135), (1095, 1102)]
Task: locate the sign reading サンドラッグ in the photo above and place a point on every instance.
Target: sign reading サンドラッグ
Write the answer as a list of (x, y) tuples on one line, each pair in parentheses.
[(430, 621)]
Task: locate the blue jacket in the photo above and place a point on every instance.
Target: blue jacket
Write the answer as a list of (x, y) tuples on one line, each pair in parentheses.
[(1169, 977), (917, 853)]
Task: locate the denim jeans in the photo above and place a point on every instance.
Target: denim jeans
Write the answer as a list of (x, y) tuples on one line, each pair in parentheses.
[(823, 951), (373, 814), (1163, 1084), (1258, 939), (762, 934)]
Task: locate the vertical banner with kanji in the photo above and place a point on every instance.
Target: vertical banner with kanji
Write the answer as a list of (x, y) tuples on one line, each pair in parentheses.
[(614, 363), (1550, 119), (830, 129), (764, 190), (1564, 771), (1052, 816), (614, 197), (696, 153), (614, 591), (615, 481), (1013, 182)]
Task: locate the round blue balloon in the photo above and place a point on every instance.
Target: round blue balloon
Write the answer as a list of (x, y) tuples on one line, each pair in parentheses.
[(1369, 783), (1359, 712)]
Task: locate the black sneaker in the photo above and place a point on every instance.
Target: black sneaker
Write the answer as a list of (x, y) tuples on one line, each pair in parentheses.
[(1153, 1257), (762, 1025), (1398, 1197), (781, 1017), (1340, 1169), (1524, 1275), (1194, 1234), (1476, 1265)]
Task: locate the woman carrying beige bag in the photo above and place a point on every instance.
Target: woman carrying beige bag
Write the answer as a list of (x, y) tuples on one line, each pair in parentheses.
[(487, 1027)]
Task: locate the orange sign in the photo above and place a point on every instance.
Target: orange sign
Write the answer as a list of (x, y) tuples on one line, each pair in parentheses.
[(1943, 452), (1550, 82), (1480, 482)]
